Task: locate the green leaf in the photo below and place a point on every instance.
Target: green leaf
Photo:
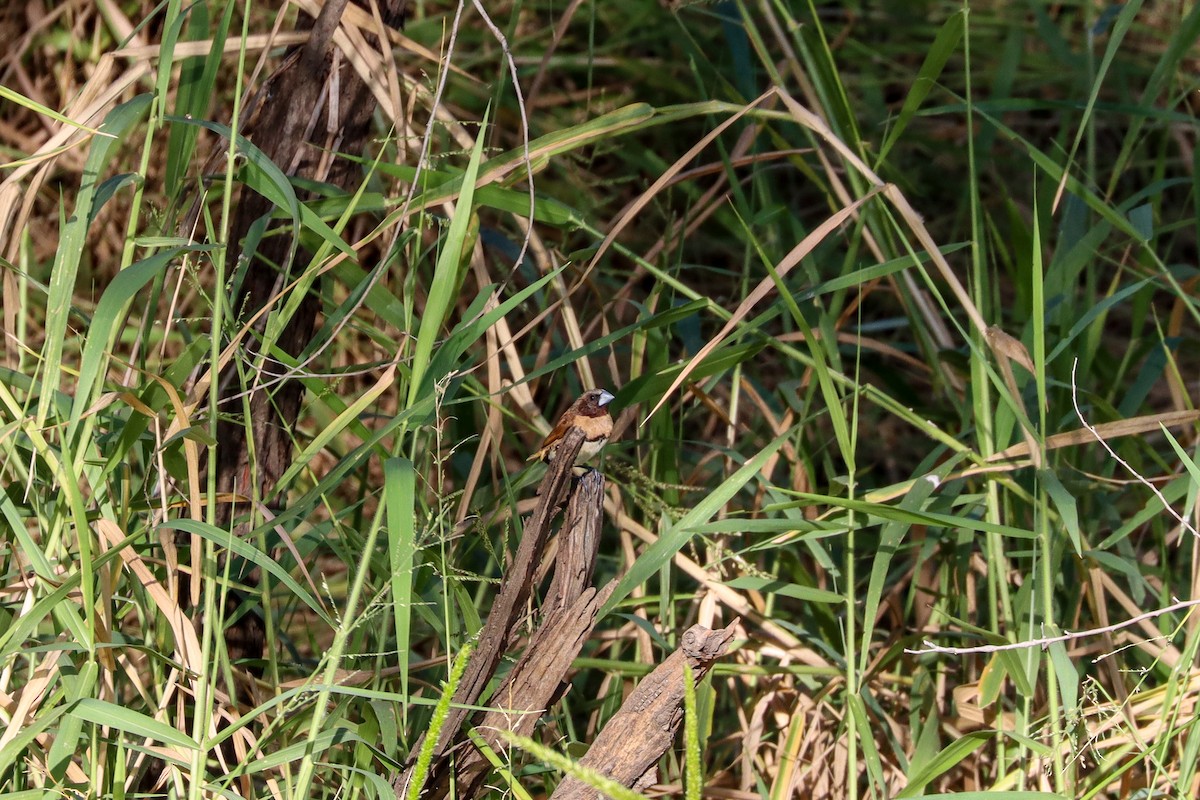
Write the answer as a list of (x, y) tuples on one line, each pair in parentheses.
[(344, 419), (294, 752), (66, 739), (891, 535), (18, 746), (197, 80), (1064, 502), (73, 241), (103, 329), (936, 58), (923, 774), (673, 540), (879, 511), (809, 594), (106, 190), (1067, 674), (443, 288), (475, 324), (653, 384), (246, 550), (36, 107), (101, 712), (400, 481)]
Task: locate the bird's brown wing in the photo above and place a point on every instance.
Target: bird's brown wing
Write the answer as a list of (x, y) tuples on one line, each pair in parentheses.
[(555, 436)]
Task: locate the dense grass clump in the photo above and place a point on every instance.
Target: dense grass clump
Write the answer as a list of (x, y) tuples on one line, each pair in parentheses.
[(898, 301)]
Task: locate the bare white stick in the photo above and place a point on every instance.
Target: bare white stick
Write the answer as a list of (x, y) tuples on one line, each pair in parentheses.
[(1121, 461), (930, 647)]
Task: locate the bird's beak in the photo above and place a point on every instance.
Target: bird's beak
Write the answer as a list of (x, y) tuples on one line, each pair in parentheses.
[(606, 397)]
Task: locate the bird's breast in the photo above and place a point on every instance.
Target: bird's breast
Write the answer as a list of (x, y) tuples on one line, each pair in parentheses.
[(595, 427)]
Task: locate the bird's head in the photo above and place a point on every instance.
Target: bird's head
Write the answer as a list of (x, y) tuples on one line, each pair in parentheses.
[(593, 403)]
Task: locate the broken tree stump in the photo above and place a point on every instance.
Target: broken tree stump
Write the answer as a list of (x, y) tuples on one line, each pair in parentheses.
[(506, 612), (539, 678), (630, 745), (633, 741)]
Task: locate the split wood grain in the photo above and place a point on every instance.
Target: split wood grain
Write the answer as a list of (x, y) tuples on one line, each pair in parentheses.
[(506, 610), (630, 745)]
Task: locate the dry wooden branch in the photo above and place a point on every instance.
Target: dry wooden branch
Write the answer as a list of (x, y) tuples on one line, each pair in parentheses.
[(538, 679), (639, 734), (508, 606), (534, 685), (579, 543)]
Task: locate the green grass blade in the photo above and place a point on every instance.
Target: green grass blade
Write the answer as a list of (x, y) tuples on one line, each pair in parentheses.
[(400, 480), (891, 535), (103, 330), (444, 285), (943, 48), (674, 538), (246, 550), (73, 241), (101, 712)]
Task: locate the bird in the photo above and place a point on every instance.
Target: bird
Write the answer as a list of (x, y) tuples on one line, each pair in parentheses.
[(590, 414)]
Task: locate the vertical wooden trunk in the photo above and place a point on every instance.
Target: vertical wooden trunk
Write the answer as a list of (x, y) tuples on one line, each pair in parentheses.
[(303, 113)]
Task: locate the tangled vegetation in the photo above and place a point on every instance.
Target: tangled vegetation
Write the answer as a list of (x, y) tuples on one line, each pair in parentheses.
[(898, 301)]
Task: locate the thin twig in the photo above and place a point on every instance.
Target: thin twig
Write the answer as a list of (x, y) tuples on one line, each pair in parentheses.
[(930, 647), (1121, 461), (528, 159)]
